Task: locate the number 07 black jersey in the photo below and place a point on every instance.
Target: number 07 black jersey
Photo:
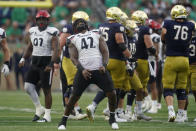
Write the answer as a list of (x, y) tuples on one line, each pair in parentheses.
[(177, 37)]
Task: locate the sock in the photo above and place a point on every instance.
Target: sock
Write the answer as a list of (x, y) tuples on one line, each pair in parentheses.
[(154, 102), (180, 111), (63, 121), (94, 104), (139, 107), (112, 118), (170, 108), (130, 97), (119, 110), (30, 89), (128, 108), (47, 114)]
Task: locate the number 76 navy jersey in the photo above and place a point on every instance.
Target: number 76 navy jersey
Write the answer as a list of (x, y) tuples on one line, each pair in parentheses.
[(177, 37)]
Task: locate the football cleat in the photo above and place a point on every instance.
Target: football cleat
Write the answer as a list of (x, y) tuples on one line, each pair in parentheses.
[(172, 116), (141, 116), (90, 112), (36, 118), (115, 126), (194, 120), (43, 120), (62, 127), (80, 116), (179, 118), (153, 110), (118, 119), (106, 112), (159, 106)]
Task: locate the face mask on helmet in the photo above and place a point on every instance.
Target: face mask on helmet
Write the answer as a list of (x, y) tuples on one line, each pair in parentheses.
[(79, 25), (42, 23)]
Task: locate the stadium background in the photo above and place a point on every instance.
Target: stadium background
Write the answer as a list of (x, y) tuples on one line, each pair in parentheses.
[(17, 20)]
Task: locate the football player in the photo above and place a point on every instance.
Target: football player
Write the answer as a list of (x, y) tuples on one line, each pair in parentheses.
[(114, 36), (68, 67), (5, 69), (144, 47), (156, 39), (192, 71), (43, 45), (176, 35), (91, 68)]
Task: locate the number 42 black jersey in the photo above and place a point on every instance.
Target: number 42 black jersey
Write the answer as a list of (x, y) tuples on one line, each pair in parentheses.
[(177, 37)]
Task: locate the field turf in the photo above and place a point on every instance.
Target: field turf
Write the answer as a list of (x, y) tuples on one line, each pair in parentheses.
[(17, 110)]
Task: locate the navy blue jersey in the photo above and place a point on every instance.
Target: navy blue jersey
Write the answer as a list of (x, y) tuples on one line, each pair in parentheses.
[(140, 45), (177, 37), (132, 45), (192, 51), (67, 29), (108, 31)]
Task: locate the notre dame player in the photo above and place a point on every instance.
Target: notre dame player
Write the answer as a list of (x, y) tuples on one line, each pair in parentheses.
[(68, 67), (176, 34), (43, 45), (192, 70), (144, 48), (91, 68)]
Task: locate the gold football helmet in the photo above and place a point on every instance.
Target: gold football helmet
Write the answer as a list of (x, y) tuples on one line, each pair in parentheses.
[(139, 17), (113, 13), (123, 18), (178, 11), (80, 15), (130, 27)]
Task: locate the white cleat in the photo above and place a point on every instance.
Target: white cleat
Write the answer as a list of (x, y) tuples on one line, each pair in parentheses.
[(147, 105), (141, 116), (90, 112), (106, 112), (179, 118), (128, 115), (44, 120), (120, 119), (153, 110), (194, 120), (115, 126), (61, 127), (80, 116), (172, 116), (159, 106)]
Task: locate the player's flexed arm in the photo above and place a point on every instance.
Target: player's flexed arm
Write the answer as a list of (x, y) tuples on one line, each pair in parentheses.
[(105, 54), (27, 52)]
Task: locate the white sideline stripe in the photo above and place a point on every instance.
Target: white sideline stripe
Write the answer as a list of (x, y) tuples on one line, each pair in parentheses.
[(21, 109)]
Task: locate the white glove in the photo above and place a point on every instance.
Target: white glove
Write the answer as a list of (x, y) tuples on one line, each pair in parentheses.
[(22, 60), (5, 70)]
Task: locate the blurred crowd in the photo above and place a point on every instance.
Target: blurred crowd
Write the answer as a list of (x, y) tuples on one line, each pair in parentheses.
[(17, 21)]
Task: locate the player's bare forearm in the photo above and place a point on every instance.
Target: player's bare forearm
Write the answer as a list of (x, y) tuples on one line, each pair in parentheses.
[(104, 51), (62, 40), (56, 49), (73, 54), (5, 50), (148, 41)]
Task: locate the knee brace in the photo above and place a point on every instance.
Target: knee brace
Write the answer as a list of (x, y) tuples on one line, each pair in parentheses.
[(68, 91), (168, 92), (181, 94)]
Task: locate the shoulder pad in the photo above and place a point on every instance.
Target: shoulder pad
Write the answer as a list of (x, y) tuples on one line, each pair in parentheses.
[(53, 31), (2, 33), (69, 39)]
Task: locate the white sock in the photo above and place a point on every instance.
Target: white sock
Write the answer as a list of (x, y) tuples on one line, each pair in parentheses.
[(47, 114), (154, 102), (119, 110), (180, 111), (128, 108), (139, 107), (147, 98), (170, 108), (30, 89), (94, 104)]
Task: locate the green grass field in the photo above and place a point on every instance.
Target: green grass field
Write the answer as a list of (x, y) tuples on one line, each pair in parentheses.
[(17, 110)]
